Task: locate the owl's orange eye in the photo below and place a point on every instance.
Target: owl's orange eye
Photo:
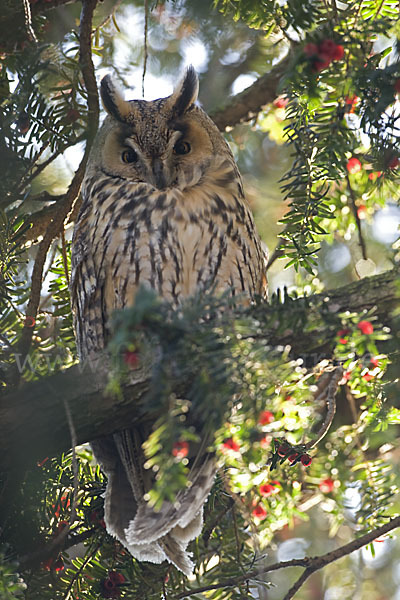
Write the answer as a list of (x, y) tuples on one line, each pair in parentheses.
[(182, 148), (129, 156)]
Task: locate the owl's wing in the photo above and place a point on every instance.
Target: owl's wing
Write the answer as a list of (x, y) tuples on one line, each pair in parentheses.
[(86, 289)]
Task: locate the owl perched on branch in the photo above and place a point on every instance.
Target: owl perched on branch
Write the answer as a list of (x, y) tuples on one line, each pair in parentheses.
[(163, 206)]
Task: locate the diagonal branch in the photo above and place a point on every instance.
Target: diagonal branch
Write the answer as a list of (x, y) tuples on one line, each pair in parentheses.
[(311, 564), (249, 103)]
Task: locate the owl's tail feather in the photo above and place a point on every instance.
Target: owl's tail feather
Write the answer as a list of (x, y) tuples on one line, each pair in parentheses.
[(183, 519), (149, 535)]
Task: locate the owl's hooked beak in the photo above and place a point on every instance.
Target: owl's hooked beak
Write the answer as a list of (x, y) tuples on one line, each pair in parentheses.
[(160, 176)]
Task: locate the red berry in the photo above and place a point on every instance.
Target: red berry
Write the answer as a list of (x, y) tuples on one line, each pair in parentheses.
[(353, 165), (374, 175), (259, 512), (367, 376), (109, 589), (265, 442), (29, 322), (59, 564), (327, 48), (321, 62), (267, 489), (396, 85), (283, 450), (230, 444), (280, 102), (306, 460), (394, 163), (365, 327), (361, 211), (374, 361), (266, 417), (326, 485), (72, 115), (310, 49), (116, 577), (343, 332), (131, 358), (351, 103), (293, 457), (23, 122), (338, 53), (180, 449)]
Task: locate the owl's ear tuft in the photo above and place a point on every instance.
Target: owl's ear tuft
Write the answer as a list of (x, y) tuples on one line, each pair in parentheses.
[(113, 100), (185, 94)]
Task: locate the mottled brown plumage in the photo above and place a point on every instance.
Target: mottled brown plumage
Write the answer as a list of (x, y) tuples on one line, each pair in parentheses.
[(163, 206)]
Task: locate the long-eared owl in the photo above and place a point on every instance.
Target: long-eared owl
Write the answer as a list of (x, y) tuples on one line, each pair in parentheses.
[(163, 206)]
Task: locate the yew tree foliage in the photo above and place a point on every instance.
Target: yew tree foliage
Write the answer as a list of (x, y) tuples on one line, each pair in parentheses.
[(216, 371)]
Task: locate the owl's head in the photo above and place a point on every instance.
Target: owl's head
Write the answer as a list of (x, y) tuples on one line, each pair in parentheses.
[(169, 142)]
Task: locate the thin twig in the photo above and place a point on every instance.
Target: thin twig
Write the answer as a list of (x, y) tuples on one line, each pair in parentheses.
[(64, 254), (302, 579), (28, 21), (108, 18), (26, 179), (84, 564), (146, 28), (277, 253), (328, 391), (207, 532), (75, 468), (361, 240)]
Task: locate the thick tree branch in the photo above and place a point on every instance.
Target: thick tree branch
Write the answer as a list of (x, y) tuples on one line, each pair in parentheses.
[(33, 420), (379, 292), (34, 416), (247, 104)]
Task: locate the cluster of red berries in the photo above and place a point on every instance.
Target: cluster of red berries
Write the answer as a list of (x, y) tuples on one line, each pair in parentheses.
[(365, 327), (53, 564), (284, 451), (110, 586), (321, 55), (266, 489), (354, 166)]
